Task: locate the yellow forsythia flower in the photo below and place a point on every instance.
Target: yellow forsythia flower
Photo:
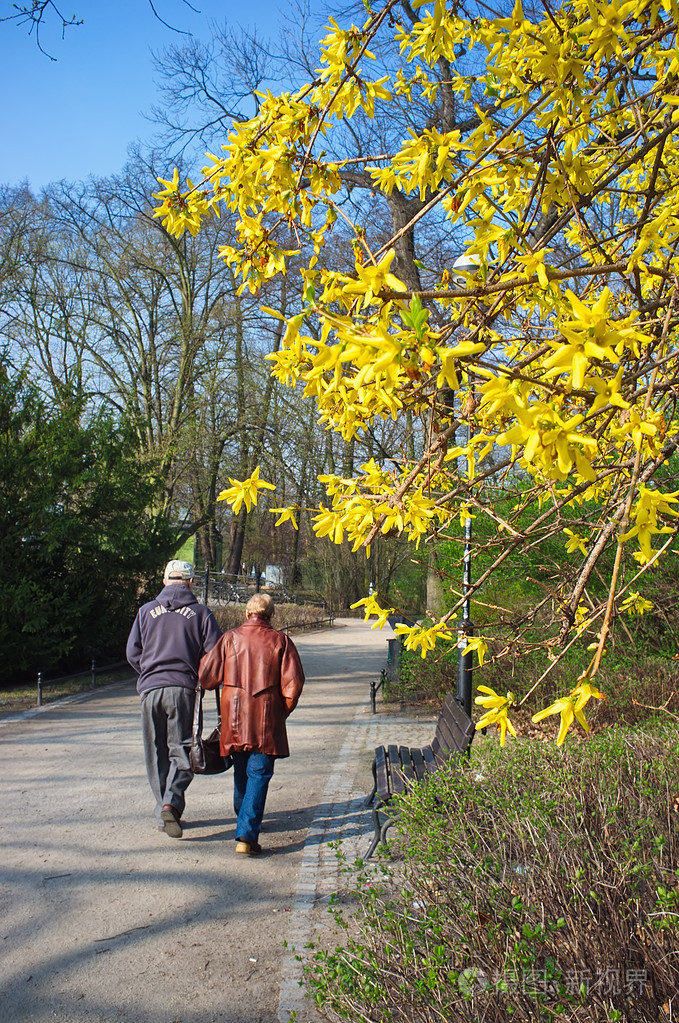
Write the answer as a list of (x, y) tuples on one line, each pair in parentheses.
[(285, 515), (497, 709), (244, 492), (635, 604), (570, 708), (371, 607), (423, 637)]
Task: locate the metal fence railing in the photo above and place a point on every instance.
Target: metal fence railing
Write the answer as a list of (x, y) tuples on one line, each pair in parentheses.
[(375, 687), (93, 671), (217, 588), (317, 623)]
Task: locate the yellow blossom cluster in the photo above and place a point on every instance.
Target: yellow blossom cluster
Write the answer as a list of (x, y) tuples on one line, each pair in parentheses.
[(571, 708), (561, 172), (245, 492), (374, 502), (497, 710)]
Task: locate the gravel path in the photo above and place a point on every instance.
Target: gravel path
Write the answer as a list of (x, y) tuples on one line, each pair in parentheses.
[(103, 919)]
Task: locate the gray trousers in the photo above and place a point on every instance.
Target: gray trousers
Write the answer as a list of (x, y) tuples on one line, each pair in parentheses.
[(167, 725)]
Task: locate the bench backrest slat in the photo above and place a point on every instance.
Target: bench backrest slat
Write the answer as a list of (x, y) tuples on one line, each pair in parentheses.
[(454, 730), (397, 780), (381, 770), (396, 768)]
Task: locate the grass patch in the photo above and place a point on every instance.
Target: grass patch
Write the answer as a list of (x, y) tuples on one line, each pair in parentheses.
[(14, 699)]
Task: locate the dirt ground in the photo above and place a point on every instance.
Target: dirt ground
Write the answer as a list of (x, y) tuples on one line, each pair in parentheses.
[(103, 918)]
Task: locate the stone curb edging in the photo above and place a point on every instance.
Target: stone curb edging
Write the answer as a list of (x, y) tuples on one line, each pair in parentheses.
[(343, 817)]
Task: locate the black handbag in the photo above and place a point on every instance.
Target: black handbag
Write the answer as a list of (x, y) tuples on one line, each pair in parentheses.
[(204, 755)]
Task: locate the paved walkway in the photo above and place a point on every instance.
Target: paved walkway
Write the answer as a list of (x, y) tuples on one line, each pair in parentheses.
[(103, 918)]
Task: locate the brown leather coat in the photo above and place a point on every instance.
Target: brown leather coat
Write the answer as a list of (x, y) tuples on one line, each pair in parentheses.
[(262, 678)]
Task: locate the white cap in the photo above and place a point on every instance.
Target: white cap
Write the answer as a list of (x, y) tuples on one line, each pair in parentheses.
[(178, 571)]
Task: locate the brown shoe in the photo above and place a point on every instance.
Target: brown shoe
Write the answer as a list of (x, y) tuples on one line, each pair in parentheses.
[(171, 817), (248, 848)]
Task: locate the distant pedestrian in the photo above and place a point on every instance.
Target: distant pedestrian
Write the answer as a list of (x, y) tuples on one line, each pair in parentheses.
[(262, 678), (169, 636)]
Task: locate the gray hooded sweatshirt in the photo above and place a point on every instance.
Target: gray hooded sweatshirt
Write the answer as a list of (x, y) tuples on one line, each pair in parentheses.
[(169, 637)]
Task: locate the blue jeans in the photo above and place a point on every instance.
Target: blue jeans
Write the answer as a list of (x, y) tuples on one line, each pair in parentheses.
[(252, 773)]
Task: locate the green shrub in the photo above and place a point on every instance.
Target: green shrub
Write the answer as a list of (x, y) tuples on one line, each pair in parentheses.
[(428, 680), (290, 616), (535, 883), (635, 683)]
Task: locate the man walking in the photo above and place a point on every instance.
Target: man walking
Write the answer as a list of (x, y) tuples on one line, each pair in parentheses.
[(169, 636), (262, 678)]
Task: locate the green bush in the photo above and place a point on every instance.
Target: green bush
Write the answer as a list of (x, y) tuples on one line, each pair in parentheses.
[(77, 539), (428, 680), (520, 607), (535, 883), (636, 684), (290, 616)]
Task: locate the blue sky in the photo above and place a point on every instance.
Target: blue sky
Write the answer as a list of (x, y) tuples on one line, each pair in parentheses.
[(76, 116)]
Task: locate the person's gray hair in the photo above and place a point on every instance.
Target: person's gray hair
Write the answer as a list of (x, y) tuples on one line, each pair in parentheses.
[(260, 604)]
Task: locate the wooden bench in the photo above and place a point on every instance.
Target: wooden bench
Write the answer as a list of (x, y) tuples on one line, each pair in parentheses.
[(397, 768)]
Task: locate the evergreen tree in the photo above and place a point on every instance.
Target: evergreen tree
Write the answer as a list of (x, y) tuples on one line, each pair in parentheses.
[(77, 542)]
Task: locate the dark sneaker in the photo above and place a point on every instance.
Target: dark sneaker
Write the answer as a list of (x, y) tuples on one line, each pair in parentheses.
[(172, 820), (248, 848)]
